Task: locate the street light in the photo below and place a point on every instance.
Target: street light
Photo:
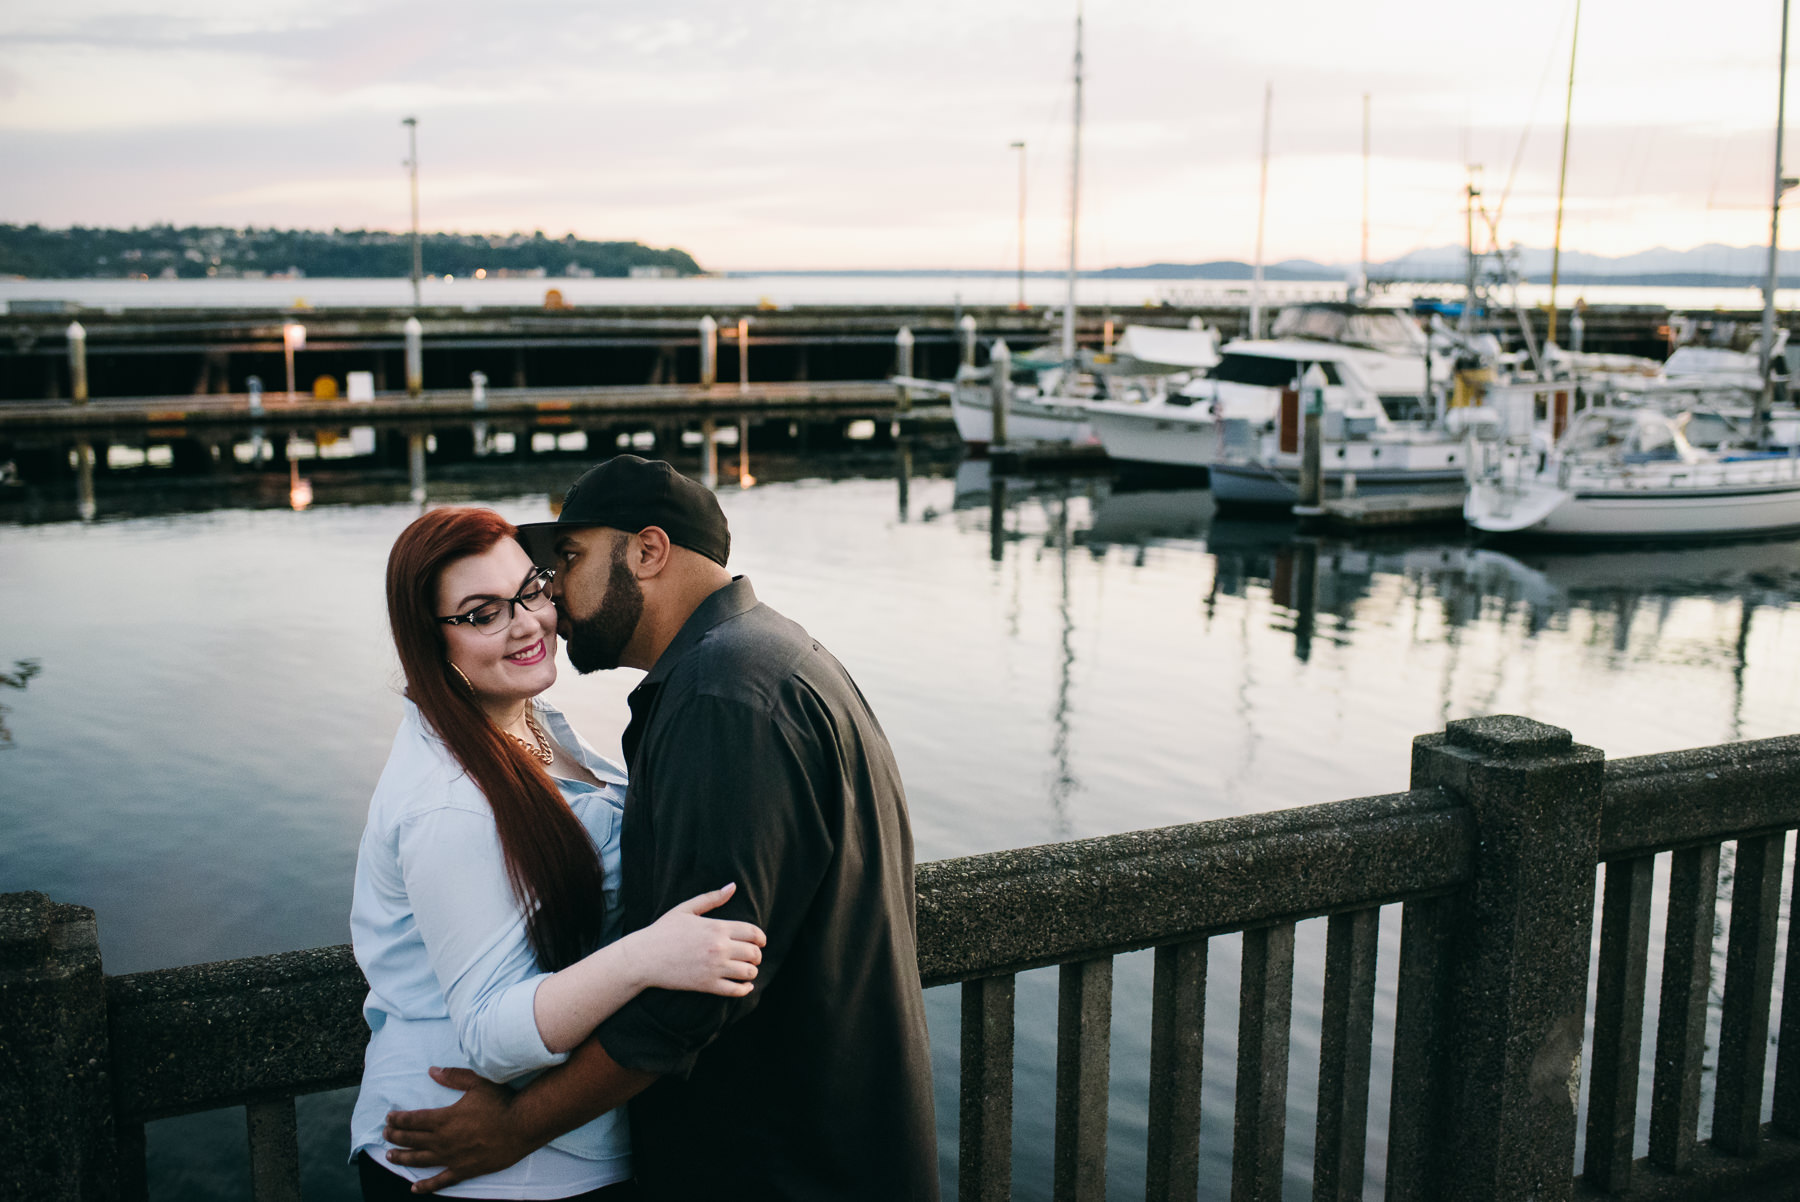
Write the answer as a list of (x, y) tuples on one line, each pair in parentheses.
[(293, 337), (1020, 147)]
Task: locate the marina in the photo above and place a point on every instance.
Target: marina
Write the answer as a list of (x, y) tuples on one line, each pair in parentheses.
[(1134, 657)]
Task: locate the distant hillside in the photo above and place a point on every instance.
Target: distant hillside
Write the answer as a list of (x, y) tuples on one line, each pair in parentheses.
[(195, 252), (1222, 269)]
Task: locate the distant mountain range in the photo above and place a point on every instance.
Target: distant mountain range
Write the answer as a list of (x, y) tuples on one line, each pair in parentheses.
[(1712, 265)]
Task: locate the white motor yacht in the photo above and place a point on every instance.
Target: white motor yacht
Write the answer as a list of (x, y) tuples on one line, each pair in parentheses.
[(1631, 473)]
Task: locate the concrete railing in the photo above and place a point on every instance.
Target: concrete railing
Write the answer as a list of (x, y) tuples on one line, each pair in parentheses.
[(1493, 855)]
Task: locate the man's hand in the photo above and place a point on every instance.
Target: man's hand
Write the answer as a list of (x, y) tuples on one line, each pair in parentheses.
[(472, 1136)]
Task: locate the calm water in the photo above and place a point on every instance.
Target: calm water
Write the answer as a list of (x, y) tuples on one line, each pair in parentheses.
[(206, 695), (746, 290)]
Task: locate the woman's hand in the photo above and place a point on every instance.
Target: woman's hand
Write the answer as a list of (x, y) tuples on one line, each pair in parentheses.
[(682, 950)]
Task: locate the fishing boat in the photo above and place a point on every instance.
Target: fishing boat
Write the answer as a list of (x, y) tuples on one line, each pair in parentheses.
[(1631, 473)]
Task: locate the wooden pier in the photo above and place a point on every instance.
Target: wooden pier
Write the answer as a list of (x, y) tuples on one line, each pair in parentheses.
[(545, 405), (1371, 511)]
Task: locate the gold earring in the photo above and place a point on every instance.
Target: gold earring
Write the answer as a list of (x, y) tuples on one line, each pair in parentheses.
[(459, 673)]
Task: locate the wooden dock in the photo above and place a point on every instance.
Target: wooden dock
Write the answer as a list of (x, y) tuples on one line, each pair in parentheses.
[(1438, 507), (770, 399)]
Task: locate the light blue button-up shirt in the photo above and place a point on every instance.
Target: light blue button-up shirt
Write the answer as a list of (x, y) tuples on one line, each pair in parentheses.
[(452, 977)]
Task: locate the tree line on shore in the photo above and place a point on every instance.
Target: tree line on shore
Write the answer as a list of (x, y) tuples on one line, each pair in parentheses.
[(196, 252)]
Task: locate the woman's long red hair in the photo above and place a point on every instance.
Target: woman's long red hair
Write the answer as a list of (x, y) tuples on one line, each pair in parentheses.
[(551, 862)]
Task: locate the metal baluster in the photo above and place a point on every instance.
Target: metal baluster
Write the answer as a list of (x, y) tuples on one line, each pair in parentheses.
[(1415, 1107), (1618, 1023), (1346, 1031), (984, 1172), (1681, 1018), (1177, 1053), (1265, 1010), (1083, 1060), (1744, 1015)]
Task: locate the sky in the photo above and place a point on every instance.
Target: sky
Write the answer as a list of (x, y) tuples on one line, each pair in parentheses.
[(806, 134)]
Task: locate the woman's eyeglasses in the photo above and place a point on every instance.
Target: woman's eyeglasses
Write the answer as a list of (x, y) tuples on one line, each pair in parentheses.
[(491, 617)]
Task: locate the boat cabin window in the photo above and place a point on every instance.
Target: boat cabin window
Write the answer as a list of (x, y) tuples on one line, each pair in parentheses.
[(1267, 371)]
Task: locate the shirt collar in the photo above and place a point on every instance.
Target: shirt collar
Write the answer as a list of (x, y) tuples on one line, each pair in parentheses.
[(724, 604)]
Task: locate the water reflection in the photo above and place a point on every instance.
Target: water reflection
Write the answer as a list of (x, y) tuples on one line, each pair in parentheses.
[(1053, 656), (20, 676)]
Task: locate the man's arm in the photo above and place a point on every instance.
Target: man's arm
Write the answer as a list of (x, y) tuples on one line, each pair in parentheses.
[(741, 795), (491, 1128)]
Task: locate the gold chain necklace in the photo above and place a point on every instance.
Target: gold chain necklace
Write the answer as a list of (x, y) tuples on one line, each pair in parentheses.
[(543, 753)]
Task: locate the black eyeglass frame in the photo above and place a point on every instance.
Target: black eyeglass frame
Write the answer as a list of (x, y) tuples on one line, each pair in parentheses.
[(542, 578)]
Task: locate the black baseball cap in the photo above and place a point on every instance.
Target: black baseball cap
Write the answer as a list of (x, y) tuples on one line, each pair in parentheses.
[(629, 493)]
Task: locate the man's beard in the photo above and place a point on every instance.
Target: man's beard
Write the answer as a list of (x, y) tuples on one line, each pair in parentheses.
[(597, 641)]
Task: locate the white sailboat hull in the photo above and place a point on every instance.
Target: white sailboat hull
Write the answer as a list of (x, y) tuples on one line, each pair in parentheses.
[(1156, 433), (1028, 420), (1634, 513)]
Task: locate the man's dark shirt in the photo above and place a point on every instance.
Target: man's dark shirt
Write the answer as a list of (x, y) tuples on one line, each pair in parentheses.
[(755, 759)]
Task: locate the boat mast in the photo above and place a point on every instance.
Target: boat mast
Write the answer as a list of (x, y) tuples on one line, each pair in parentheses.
[(1767, 353), (1466, 321), (1068, 338), (1365, 221), (1562, 177), (1262, 204)]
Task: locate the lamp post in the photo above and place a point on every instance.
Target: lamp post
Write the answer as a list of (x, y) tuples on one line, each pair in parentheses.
[(293, 337), (412, 165), (1020, 147)]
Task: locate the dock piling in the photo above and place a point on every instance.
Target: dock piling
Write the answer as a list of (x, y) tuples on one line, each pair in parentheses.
[(415, 358), (709, 453), (903, 367), (709, 352), (478, 389), (1312, 484), (78, 382), (965, 331), (743, 354), (1000, 360), (293, 337)]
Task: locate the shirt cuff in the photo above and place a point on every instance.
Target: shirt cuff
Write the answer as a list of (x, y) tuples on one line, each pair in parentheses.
[(511, 1044), (634, 1039)]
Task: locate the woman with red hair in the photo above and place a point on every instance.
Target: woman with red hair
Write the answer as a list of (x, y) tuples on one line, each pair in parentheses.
[(485, 914)]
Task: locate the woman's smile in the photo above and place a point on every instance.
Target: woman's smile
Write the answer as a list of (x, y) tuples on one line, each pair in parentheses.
[(527, 656)]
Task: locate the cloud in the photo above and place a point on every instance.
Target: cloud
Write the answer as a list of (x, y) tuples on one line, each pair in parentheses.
[(818, 133)]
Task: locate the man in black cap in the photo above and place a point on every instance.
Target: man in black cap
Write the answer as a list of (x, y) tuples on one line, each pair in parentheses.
[(754, 759)]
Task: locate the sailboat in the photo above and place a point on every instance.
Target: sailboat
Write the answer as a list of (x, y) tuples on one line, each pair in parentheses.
[(1046, 396), (1622, 473)]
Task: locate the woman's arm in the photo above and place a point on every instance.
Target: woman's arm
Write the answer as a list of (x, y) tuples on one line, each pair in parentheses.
[(680, 950)]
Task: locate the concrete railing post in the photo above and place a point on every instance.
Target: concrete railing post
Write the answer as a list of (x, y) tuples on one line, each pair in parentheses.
[(56, 1120), (1511, 1071)]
